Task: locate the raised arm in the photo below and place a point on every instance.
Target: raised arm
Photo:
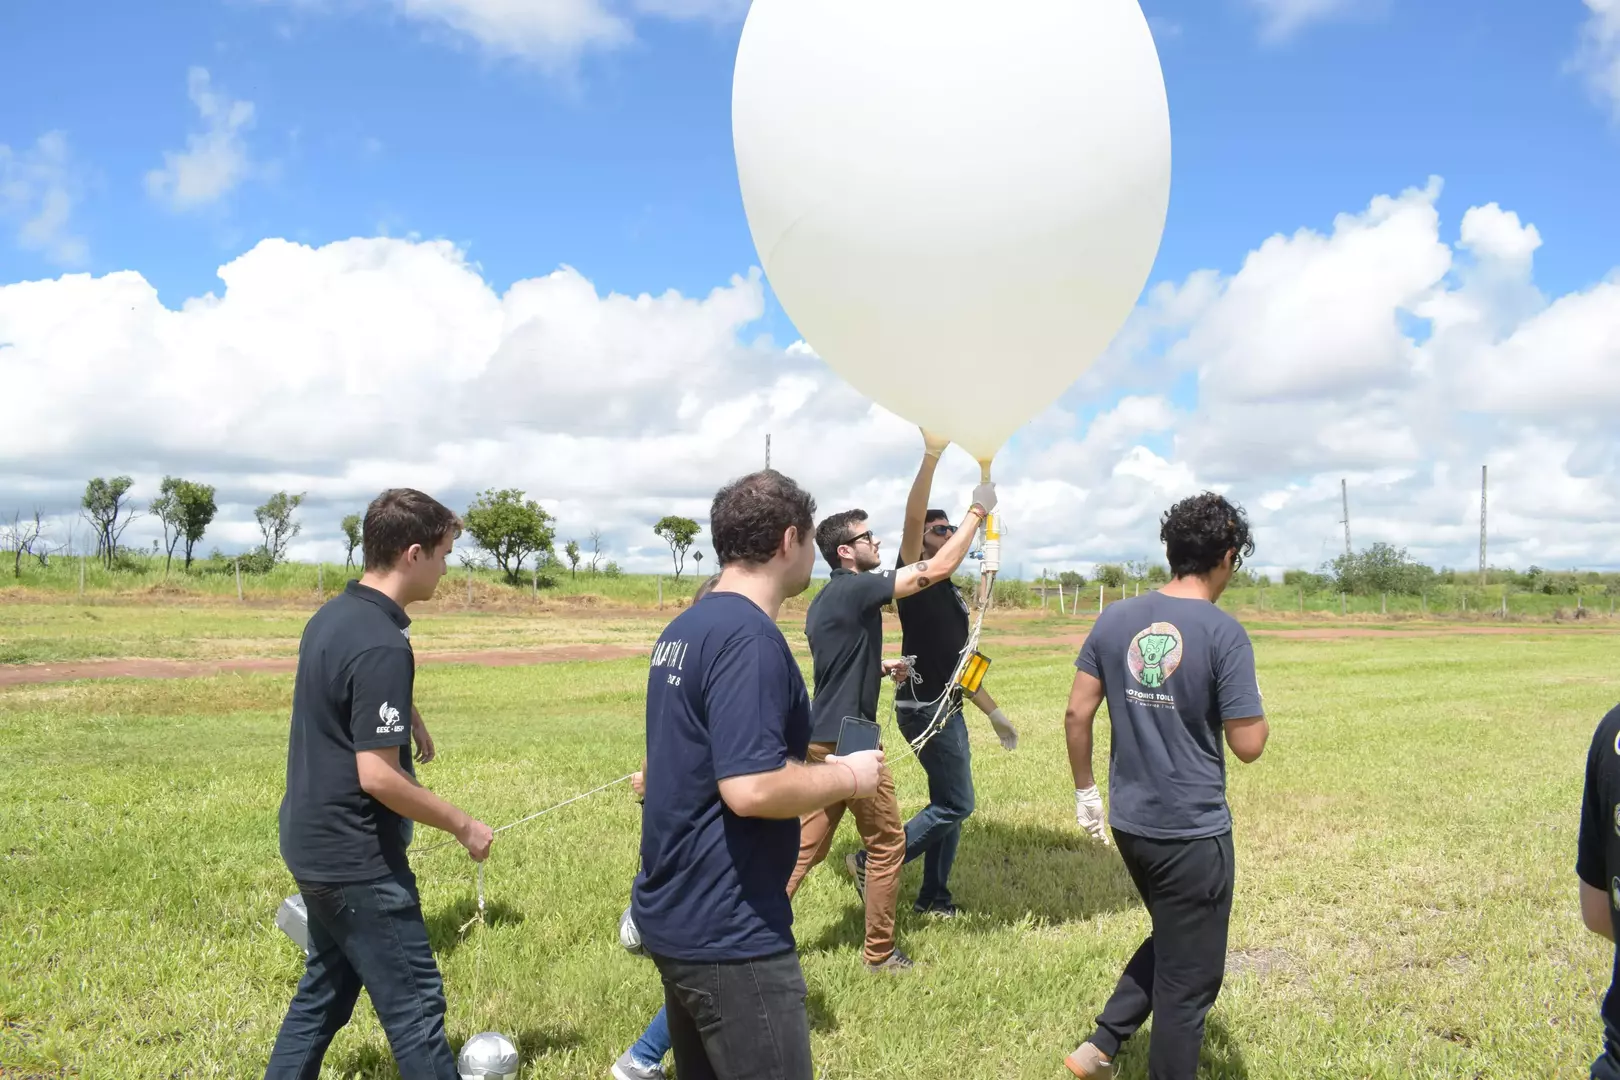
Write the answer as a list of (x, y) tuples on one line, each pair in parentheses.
[(918, 576), (917, 502)]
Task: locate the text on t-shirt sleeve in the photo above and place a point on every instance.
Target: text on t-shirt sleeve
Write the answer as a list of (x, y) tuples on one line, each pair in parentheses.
[(380, 684), (1236, 688), (1589, 860), (747, 695)]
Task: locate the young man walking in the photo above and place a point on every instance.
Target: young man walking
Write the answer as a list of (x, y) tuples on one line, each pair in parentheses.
[(845, 628), (934, 624), (351, 798), (728, 723), (1597, 864), (1177, 673)]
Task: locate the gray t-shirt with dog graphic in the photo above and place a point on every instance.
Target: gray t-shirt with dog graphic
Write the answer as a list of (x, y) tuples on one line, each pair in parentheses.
[(1174, 671)]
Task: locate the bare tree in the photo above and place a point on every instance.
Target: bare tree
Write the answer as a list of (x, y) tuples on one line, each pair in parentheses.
[(596, 550), (22, 538)]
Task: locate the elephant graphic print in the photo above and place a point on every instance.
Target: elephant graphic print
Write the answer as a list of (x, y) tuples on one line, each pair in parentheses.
[(1154, 655)]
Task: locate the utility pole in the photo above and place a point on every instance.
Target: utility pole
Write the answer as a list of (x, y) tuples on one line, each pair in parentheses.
[(1482, 493), (1344, 490), (767, 450)]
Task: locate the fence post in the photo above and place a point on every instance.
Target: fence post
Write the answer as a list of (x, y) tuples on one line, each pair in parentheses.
[(239, 578), (535, 585), (1504, 603), (469, 584), (1423, 602), (1062, 610), (1100, 598), (1383, 604), (1044, 584), (1342, 611)]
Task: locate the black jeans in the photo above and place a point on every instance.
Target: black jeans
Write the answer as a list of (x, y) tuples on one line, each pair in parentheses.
[(1607, 1067), (372, 935), (1176, 973), (738, 1020)]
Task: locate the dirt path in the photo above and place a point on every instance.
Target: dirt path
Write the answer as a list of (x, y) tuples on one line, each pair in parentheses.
[(19, 674)]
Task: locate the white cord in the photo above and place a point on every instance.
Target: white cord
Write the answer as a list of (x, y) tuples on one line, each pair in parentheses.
[(541, 814)]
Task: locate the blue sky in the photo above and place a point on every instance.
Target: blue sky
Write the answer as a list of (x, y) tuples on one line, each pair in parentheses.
[(170, 140), (367, 120)]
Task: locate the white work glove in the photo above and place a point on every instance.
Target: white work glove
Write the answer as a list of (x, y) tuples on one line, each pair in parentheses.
[(1004, 730), (985, 496), (1089, 813)]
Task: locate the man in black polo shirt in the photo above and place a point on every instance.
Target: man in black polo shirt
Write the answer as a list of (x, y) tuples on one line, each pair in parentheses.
[(845, 628), (1597, 864), (934, 627), (351, 797)]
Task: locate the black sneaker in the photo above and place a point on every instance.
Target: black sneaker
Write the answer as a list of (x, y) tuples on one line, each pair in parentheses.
[(937, 910), (894, 962), (855, 863)]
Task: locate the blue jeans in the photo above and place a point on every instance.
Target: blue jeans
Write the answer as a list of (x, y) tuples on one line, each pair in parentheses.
[(937, 829), (654, 1042), (372, 935), (1607, 1067)]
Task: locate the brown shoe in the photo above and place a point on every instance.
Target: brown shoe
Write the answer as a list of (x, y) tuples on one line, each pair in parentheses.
[(1088, 1063)]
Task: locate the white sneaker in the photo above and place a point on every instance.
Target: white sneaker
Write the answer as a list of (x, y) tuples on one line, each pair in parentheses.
[(628, 1068)]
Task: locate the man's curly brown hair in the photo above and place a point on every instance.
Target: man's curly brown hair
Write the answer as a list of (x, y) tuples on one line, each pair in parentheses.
[(1199, 531)]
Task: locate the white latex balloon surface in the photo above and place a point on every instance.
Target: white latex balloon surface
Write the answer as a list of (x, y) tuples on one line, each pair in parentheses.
[(957, 202)]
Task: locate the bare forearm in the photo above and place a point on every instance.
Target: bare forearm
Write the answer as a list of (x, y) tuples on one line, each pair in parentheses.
[(792, 791), (1077, 727), (405, 797), (917, 508)]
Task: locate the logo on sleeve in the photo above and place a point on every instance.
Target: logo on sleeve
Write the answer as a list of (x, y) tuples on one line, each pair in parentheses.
[(1614, 893), (391, 724), (1155, 654)]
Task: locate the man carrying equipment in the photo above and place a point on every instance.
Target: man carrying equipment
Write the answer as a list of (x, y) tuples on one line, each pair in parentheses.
[(845, 628), (1177, 673), (1597, 864), (351, 797), (728, 723), (934, 625)]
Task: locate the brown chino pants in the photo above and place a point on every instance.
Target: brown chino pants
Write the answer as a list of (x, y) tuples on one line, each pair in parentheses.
[(878, 820)]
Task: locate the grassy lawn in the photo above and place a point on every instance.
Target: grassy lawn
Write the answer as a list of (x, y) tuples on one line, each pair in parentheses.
[(1406, 901)]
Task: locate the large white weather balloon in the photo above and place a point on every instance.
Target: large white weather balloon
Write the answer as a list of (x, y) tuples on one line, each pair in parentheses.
[(957, 202)]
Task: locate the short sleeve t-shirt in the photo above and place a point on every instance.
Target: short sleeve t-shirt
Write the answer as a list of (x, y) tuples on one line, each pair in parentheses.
[(1597, 859), (845, 628), (934, 629), (352, 692), (1174, 670), (725, 698)]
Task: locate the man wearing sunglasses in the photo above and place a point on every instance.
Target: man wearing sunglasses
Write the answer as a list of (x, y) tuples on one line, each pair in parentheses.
[(845, 628), (934, 624)]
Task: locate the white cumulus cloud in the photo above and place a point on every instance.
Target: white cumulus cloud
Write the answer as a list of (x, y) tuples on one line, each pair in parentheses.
[(1598, 58), (1282, 19), (215, 159), (1373, 352), (38, 189)]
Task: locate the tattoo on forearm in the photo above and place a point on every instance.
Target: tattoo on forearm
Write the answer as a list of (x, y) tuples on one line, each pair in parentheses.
[(921, 568), (922, 583)]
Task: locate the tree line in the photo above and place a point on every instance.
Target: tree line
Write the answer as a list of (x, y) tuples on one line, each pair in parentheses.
[(508, 529)]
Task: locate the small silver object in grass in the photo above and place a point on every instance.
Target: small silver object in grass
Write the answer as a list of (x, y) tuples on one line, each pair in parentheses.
[(630, 935), (489, 1055), (293, 919)]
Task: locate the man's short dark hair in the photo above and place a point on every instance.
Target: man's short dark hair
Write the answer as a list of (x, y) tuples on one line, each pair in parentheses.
[(400, 518), (833, 532), (749, 516), (1199, 531), (935, 515)]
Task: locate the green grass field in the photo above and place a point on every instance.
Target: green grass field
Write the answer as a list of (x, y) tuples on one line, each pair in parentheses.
[(1406, 902)]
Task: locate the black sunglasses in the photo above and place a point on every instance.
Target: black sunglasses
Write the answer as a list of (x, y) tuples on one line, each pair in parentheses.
[(867, 536), (942, 530)]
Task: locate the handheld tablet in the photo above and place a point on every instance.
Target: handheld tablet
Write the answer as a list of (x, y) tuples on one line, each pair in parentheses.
[(857, 735)]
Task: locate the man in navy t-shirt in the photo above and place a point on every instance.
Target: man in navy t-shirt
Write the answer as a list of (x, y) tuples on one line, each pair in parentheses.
[(1178, 674), (728, 726), (1597, 864)]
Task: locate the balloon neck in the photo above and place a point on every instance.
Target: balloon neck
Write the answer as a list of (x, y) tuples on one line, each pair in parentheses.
[(984, 472)]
